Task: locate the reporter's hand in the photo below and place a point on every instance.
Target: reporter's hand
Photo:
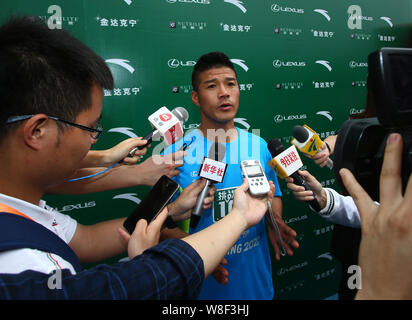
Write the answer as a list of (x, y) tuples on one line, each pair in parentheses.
[(156, 166), (322, 156), (251, 208), (181, 208), (144, 236), (120, 151), (386, 246), (301, 194)]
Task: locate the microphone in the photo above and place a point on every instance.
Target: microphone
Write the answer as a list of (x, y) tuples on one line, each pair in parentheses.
[(308, 142), (286, 163), (167, 125), (213, 171)]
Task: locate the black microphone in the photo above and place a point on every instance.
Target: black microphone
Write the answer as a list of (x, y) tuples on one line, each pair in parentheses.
[(217, 152), (276, 147), (180, 112)]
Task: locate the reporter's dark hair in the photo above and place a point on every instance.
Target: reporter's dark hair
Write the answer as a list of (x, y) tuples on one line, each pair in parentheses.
[(46, 71), (208, 61)]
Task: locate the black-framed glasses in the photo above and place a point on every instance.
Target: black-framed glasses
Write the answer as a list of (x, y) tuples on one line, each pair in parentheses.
[(94, 132)]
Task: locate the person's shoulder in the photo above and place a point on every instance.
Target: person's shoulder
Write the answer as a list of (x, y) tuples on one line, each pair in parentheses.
[(255, 135)]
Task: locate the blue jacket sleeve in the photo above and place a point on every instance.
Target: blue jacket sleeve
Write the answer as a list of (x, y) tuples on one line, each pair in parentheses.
[(170, 270)]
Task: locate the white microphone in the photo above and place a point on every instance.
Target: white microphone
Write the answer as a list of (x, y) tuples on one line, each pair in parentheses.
[(166, 125)]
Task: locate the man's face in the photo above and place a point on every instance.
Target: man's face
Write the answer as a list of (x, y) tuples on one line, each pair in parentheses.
[(217, 96), (75, 143)]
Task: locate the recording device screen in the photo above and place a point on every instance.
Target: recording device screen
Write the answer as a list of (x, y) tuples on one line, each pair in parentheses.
[(154, 202), (253, 171)]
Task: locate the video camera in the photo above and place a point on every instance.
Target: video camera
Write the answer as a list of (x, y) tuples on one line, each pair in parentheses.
[(361, 143)]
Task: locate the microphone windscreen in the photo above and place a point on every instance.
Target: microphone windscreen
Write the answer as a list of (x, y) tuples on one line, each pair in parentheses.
[(181, 113), (275, 147), (300, 133)]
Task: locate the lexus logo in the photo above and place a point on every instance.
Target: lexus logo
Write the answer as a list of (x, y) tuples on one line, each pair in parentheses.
[(175, 63)]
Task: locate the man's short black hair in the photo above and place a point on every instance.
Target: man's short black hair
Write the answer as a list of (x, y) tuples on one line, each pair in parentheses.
[(209, 61), (46, 71)]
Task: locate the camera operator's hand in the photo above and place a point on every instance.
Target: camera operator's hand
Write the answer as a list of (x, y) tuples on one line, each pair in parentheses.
[(180, 209), (385, 254), (307, 195)]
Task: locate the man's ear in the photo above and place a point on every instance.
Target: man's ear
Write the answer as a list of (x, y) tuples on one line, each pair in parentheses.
[(35, 129), (195, 98)]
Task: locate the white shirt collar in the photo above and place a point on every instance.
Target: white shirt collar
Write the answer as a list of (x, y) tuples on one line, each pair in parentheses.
[(42, 213)]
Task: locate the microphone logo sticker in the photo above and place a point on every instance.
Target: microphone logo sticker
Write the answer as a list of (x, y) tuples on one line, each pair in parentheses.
[(165, 117)]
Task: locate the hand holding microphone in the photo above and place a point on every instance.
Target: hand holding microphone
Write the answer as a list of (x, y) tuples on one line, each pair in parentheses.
[(286, 163), (308, 142), (166, 125), (213, 171), (316, 190)]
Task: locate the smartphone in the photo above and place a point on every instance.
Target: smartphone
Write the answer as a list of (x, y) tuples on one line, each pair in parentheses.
[(154, 202), (258, 183)]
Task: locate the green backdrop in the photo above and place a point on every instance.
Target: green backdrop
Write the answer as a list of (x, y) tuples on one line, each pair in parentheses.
[(298, 62)]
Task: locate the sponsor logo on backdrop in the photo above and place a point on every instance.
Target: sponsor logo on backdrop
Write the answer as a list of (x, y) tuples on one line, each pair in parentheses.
[(55, 18), (292, 287), (355, 17), (279, 118), (279, 63), (116, 22), (118, 92), (386, 38), (286, 31), (323, 84), (129, 2), (324, 13), (355, 64), (122, 63), (292, 85), (326, 255), (128, 196), (325, 114), (235, 27), (127, 131), (356, 110), (324, 63), (284, 270), (322, 33), (325, 274), (323, 230), (359, 83), (243, 122), (387, 20), (176, 63), (239, 4), (296, 219), (77, 206), (189, 1), (278, 8), (240, 63), (188, 25)]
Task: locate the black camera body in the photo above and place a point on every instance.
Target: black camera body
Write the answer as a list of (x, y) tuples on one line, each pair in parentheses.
[(361, 143)]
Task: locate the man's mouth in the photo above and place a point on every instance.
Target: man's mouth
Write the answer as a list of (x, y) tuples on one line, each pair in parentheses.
[(225, 106)]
